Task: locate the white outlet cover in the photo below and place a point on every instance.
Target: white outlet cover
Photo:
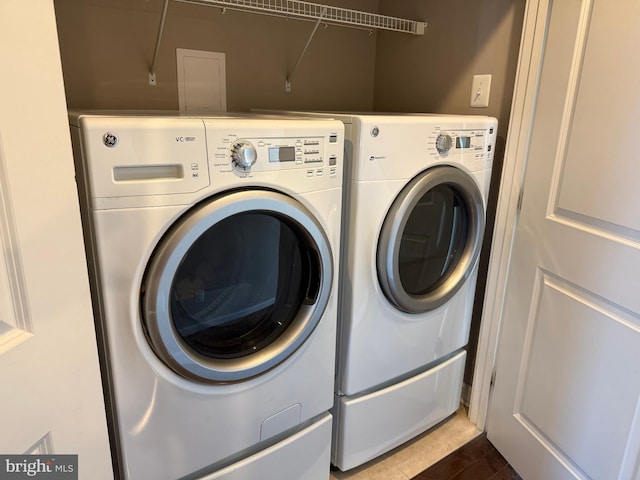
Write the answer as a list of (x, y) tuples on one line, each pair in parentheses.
[(201, 81), (480, 89)]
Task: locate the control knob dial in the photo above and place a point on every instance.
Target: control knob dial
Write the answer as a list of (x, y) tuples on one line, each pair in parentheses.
[(243, 155), (444, 142)]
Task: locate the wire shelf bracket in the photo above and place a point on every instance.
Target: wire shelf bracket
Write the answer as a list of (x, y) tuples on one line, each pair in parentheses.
[(287, 82), (302, 11)]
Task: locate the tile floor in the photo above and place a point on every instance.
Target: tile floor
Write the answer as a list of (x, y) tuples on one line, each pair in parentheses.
[(408, 460)]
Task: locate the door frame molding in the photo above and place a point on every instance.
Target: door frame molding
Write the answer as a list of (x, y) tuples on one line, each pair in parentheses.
[(527, 81)]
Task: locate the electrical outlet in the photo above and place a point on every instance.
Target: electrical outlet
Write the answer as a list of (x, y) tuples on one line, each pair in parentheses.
[(480, 89)]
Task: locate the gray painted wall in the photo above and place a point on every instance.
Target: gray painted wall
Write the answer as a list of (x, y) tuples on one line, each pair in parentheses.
[(107, 47)]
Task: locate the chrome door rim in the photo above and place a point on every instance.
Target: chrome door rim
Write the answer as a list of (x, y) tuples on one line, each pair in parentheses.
[(393, 228), (155, 304)]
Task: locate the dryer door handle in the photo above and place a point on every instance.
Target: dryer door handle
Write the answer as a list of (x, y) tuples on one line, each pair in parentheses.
[(315, 277)]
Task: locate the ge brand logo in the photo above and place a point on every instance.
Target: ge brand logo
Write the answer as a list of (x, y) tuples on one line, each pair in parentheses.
[(110, 139)]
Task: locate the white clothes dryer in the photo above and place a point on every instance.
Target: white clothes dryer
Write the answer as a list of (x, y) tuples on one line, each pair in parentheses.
[(418, 192), (416, 188), (213, 251)]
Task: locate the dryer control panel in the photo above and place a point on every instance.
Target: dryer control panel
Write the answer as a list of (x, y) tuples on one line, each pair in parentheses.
[(453, 142), (462, 141), (473, 146)]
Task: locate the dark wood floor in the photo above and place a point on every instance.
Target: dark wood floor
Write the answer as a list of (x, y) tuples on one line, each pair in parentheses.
[(477, 460)]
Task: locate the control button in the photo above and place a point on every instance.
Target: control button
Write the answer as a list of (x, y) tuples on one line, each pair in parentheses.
[(333, 139), (319, 172), (195, 174), (194, 166), (110, 139), (310, 173), (444, 143), (488, 148), (333, 160), (243, 155)]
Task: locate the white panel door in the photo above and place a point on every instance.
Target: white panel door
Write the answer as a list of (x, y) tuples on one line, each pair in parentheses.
[(51, 396), (566, 398)]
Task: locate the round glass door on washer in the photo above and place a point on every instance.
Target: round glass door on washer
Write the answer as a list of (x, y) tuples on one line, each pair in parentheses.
[(236, 286), (430, 239)]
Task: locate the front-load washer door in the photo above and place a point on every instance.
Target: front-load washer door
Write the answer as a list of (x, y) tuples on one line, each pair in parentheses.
[(236, 286), (430, 239)]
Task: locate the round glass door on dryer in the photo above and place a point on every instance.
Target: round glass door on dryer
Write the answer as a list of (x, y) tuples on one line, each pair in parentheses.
[(236, 286), (430, 239)]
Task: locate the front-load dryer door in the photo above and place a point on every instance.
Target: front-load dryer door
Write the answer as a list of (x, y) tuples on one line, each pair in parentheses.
[(430, 239), (236, 286)]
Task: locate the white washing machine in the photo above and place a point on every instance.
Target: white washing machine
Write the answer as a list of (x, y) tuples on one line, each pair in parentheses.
[(415, 194), (213, 250)]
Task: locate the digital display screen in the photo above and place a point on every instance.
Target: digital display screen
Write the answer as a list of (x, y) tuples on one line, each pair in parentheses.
[(282, 154), (463, 142)]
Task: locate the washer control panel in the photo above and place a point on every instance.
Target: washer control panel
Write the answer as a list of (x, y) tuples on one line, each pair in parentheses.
[(277, 153), (276, 149), (259, 154)]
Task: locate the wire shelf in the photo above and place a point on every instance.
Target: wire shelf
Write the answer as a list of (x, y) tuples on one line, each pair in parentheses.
[(324, 13), (303, 11)]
